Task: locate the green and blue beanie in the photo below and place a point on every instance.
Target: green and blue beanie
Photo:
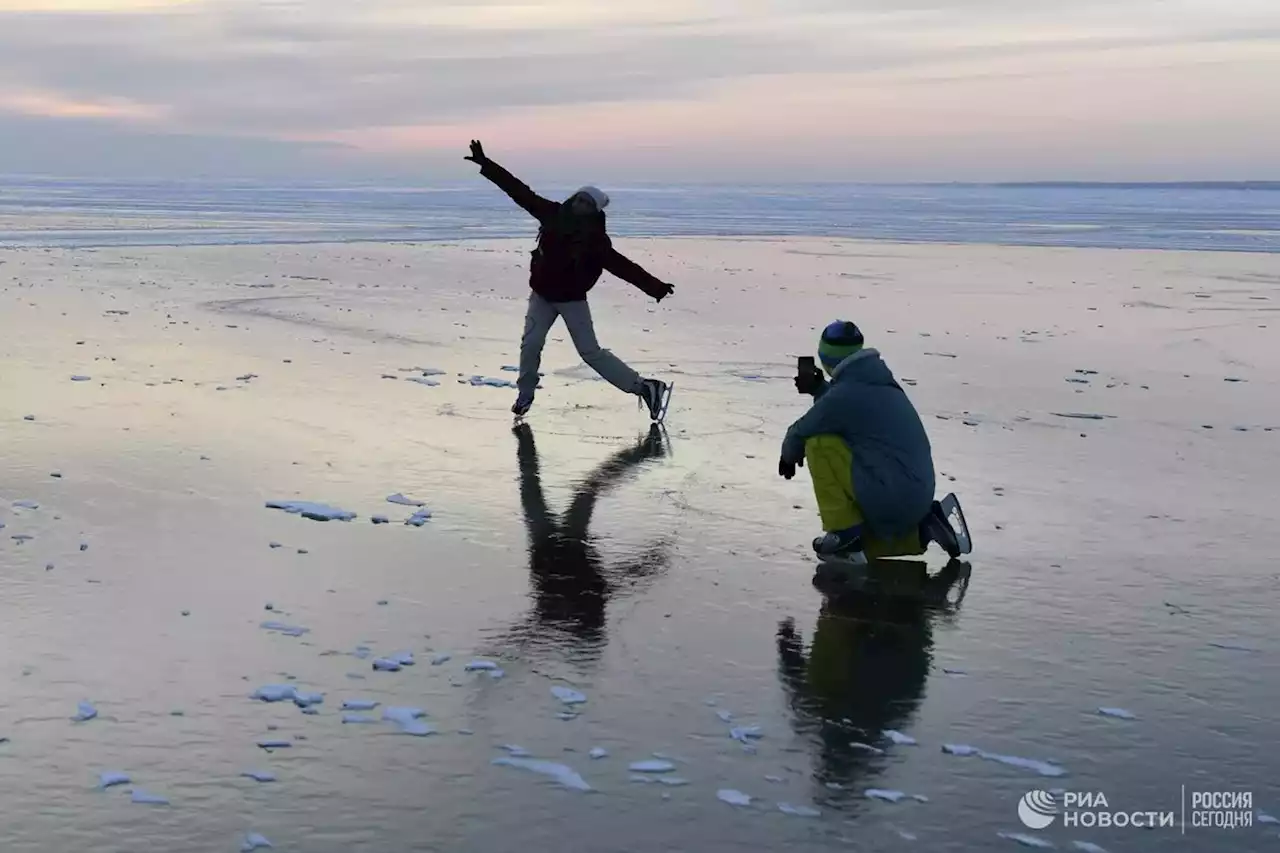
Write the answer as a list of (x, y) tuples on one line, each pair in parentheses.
[(839, 340)]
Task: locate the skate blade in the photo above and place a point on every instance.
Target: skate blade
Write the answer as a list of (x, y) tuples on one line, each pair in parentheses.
[(661, 417), (955, 517)]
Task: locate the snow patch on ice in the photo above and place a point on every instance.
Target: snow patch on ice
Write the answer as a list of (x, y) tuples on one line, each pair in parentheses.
[(254, 841), (798, 811), (651, 766), (899, 738), (147, 798), (565, 775), (419, 518), (1120, 713), (400, 499), (312, 510), (111, 778), (733, 797), (1044, 768), (1026, 840), (567, 695)]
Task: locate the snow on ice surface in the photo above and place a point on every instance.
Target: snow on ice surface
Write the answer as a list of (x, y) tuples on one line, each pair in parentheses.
[(1044, 768), (358, 718), (408, 719), (651, 766), (359, 704), (80, 378), (259, 775), (386, 665), (112, 778), (598, 752), (26, 505), (563, 774), (746, 734), (85, 712), (275, 693), (568, 696), (419, 518), (733, 797), (400, 499), (883, 794), (282, 628), (275, 743), (492, 383), (147, 798), (312, 510), (1026, 840), (481, 666), (899, 738), (402, 658), (1263, 817), (422, 380), (1120, 713), (443, 657), (254, 841), (798, 811), (1087, 847)]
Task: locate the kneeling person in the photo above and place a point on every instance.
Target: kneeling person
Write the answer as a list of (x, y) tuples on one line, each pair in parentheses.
[(869, 457)]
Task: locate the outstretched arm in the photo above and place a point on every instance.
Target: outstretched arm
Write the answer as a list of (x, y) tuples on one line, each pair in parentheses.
[(822, 417), (538, 207), (634, 274)]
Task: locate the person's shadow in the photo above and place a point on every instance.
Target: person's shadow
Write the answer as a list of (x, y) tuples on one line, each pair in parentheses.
[(570, 584), (865, 671)]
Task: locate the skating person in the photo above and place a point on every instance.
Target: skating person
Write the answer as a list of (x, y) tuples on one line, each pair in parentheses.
[(869, 457), (573, 250)]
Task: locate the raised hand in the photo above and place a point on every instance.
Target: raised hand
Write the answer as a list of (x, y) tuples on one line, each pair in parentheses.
[(477, 152)]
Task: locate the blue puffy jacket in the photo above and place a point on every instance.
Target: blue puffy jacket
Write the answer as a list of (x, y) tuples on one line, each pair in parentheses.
[(892, 461)]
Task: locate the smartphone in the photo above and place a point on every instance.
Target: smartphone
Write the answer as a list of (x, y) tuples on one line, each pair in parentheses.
[(806, 365)]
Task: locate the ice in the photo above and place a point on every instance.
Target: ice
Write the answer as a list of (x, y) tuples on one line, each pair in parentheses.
[(1044, 768), (402, 658), (1082, 416), (79, 378), (954, 671), (358, 718), (275, 692), (422, 380), (274, 743), (85, 712), (517, 751), (1263, 817), (380, 519), (492, 383), (563, 774), (146, 798), (386, 665), (866, 747), (567, 715), (899, 738), (673, 781), (253, 841), (481, 665), (399, 498), (732, 797), (777, 780), (26, 505), (746, 734), (798, 811), (259, 775), (311, 510), (111, 778), (1026, 840), (883, 794), (725, 716), (651, 766), (568, 696), (409, 720), (282, 628), (510, 368), (1087, 847), (419, 518), (306, 700), (359, 704), (1233, 647), (598, 752), (1118, 712), (436, 660)]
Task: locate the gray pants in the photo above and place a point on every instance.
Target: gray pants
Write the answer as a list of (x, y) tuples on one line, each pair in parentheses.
[(538, 321)]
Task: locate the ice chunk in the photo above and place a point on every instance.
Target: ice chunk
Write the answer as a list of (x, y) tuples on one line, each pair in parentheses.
[(419, 518), (254, 841), (402, 658), (510, 368), (409, 720), (275, 692), (1233, 647), (1081, 416), (480, 665), (954, 671), (1044, 768), (1026, 840), (26, 505), (79, 378), (282, 628), (899, 738), (725, 716), (798, 811), (563, 774), (746, 734), (436, 660), (147, 798), (358, 718), (380, 519), (423, 380), (492, 383), (386, 665), (1087, 847), (1117, 712), (598, 752), (306, 700), (85, 712), (111, 778), (651, 766), (1263, 817), (398, 498), (732, 797), (568, 696), (517, 751), (883, 794), (312, 510), (263, 776), (866, 747), (673, 781), (777, 780), (359, 704)]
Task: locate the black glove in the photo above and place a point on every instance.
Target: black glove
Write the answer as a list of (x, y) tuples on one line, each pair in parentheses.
[(809, 382), (667, 290), (477, 153), (788, 469)]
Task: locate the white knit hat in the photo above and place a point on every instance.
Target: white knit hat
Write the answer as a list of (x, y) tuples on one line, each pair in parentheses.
[(596, 194)]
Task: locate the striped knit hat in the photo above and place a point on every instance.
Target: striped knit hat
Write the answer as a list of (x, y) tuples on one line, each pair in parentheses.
[(839, 340)]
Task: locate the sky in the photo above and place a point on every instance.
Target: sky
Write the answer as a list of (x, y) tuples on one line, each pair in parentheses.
[(660, 90)]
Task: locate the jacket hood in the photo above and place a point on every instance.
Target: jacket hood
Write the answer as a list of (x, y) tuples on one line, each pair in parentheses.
[(864, 366)]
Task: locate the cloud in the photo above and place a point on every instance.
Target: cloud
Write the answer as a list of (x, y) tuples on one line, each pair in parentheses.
[(393, 74)]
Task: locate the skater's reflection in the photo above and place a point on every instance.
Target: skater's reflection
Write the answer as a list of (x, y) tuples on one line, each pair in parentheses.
[(865, 671), (570, 584)]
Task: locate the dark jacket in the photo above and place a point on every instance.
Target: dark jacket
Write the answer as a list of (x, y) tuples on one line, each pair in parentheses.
[(892, 461), (571, 253)]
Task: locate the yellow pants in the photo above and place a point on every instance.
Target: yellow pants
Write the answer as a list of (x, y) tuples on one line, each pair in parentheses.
[(830, 462)]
